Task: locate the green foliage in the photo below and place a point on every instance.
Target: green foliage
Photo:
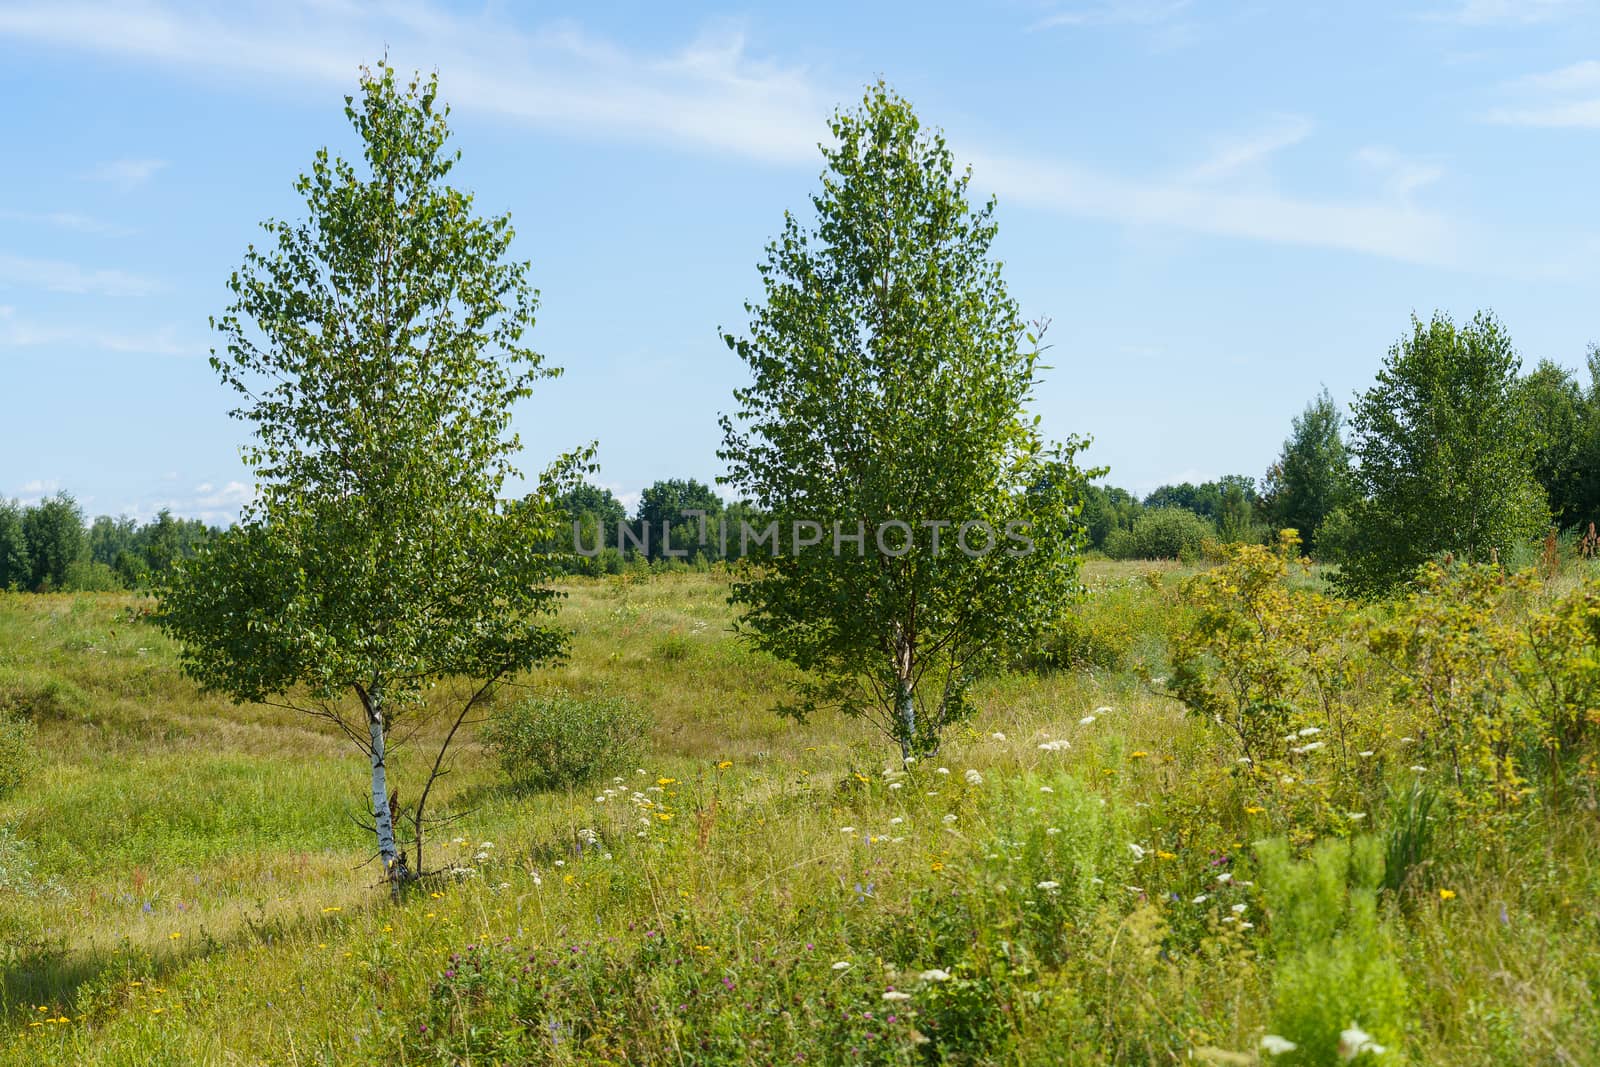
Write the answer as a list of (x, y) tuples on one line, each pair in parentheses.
[(377, 347), (92, 576), (1444, 452), (1336, 964), (53, 532), (17, 753), (1454, 644), (16, 567), (1162, 533), (891, 370), (1261, 658), (557, 741), (1409, 837), (1312, 476)]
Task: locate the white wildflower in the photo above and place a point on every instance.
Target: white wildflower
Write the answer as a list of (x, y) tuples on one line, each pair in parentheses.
[(1137, 850), (842, 965), (895, 994), (974, 778), (935, 975), (1087, 720), (1048, 886), (1273, 1045), (949, 819), (1355, 1041)]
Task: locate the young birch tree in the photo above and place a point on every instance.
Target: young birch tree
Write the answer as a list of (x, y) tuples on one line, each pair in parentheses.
[(378, 349), (885, 421)]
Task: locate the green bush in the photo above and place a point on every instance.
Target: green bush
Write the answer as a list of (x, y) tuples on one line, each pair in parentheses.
[(559, 740), (16, 751), (1161, 533), (1337, 970)]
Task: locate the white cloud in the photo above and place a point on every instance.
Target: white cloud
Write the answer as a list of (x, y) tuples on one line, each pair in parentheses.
[(1112, 13), (1401, 175), (1238, 154), (1390, 230), (1508, 12), (62, 277), (17, 333), (68, 220), (1566, 97), (126, 173), (710, 95)]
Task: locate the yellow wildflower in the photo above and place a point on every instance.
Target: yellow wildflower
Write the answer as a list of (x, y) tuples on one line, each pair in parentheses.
[(1447, 894)]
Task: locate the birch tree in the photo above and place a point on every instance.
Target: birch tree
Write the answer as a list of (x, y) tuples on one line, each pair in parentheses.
[(377, 346), (885, 432)]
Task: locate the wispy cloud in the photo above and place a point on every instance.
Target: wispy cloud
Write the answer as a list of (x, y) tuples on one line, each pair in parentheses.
[(1236, 155), (60, 276), (711, 95), (1566, 97), (1391, 230), (1401, 175), (16, 332), (125, 173), (68, 220), (1112, 13), (1508, 12)]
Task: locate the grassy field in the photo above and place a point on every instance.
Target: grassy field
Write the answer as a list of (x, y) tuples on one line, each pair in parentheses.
[(182, 880)]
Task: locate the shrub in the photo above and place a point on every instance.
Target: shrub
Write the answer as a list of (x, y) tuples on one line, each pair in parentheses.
[(1335, 967), (559, 740), (16, 751), (1162, 533)]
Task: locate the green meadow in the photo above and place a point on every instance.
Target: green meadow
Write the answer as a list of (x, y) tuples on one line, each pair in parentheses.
[(1084, 873)]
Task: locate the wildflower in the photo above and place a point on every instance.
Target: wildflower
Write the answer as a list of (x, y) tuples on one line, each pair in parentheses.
[(1201, 899), (1087, 720), (481, 856), (1356, 816), (944, 770), (1054, 746), (1048, 886), (1310, 731), (1354, 1041), (896, 821), (1368, 754), (1161, 854), (725, 764), (1273, 1045), (948, 819), (1046, 789), (1134, 888), (174, 935), (1052, 831), (1419, 768), (1247, 926), (998, 736), (666, 781), (1312, 747), (1140, 754), (847, 829), (897, 785), (1245, 760), (329, 911), (936, 866), (664, 816), (1447, 894), (1254, 809), (1225, 877), (895, 994), (1239, 909), (1138, 851), (935, 975), (1102, 710), (1287, 779), (974, 778)]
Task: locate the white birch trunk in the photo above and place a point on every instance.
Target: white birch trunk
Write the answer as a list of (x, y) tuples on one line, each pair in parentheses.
[(382, 818)]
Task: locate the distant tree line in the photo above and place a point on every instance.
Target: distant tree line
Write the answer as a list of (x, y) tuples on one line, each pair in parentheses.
[(1451, 451), (679, 522), (49, 546)]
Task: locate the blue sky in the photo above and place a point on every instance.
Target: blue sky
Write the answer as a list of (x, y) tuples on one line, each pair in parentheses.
[(1222, 207)]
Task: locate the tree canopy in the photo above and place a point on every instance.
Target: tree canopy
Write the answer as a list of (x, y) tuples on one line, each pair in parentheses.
[(890, 373), (377, 346)]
